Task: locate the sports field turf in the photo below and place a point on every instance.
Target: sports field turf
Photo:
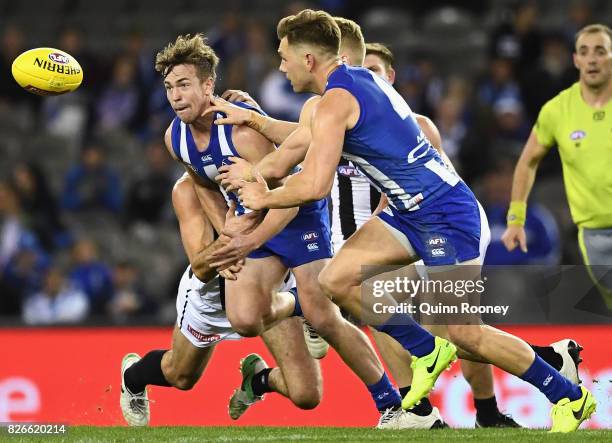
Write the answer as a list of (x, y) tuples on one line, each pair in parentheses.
[(348, 435)]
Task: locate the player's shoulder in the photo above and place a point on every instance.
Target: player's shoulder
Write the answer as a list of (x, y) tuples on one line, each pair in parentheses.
[(168, 136)]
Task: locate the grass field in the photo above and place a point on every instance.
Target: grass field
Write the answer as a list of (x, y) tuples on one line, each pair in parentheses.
[(231, 434)]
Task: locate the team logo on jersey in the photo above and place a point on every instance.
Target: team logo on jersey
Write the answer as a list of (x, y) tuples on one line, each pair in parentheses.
[(204, 338), (577, 135), (207, 158), (309, 236), (312, 247), (349, 171), (438, 252)]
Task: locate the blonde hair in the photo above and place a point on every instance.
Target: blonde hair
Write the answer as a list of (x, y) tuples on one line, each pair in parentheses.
[(189, 50), (316, 28), (351, 39), (594, 29), (381, 51)]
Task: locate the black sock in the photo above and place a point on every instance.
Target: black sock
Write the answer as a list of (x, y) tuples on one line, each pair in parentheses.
[(259, 383), (424, 408), (486, 409), (146, 371), (548, 354)]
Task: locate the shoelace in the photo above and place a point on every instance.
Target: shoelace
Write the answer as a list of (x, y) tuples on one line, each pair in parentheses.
[(311, 331), (138, 403), (388, 415)]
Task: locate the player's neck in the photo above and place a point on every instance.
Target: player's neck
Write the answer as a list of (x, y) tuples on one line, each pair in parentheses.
[(203, 124), (326, 71), (596, 97)]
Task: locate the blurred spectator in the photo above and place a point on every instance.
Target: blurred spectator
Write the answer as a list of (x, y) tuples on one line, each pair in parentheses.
[(72, 40), (92, 184), (518, 38), (543, 241), (118, 104), (510, 125), (91, 275), (11, 223), (23, 273), (15, 104), (553, 73), (421, 85), (248, 71), (57, 302), (130, 298), (227, 39), (448, 119), (500, 83), (278, 98), (579, 14), (149, 196), (39, 206)]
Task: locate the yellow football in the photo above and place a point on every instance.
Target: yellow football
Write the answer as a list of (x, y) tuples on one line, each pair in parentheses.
[(47, 71)]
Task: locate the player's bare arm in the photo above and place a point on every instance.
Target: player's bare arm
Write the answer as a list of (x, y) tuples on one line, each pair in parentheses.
[(336, 112), (279, 163), (274, 130), (197, 232), (524, 177)]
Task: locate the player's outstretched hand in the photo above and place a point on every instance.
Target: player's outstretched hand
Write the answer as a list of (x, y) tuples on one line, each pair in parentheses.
[(234, 115), (236, 95), (242, 224), (231, 175), (231, 272), (252, 195), (515, 236)]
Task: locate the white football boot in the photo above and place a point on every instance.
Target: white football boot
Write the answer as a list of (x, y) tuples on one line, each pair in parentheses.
[(316, 345), (397, 418), (570, 353), (135, 407)]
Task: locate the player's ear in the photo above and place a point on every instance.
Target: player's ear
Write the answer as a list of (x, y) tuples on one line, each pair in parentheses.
[(575, 57), (309, 59), (391, 75), (209, 86)]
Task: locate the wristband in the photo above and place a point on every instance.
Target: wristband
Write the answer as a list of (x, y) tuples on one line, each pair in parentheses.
[(257, 121), (517, 213)]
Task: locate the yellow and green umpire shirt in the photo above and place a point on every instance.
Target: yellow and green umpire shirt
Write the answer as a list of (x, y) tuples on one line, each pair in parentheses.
[(583, 136)]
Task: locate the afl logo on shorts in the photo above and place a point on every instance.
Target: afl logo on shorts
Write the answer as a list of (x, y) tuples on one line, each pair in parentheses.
[(309, 236), (349, 171), (59, 58)]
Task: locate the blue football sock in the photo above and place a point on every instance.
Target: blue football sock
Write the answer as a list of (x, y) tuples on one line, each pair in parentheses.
[(548, 380), (384, 394), (297, 309), (409, 334)]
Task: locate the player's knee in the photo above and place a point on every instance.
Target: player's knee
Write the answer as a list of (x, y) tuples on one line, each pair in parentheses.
[(332, 282), (246, 324), (307, 397), (465, 336), (185, 382)]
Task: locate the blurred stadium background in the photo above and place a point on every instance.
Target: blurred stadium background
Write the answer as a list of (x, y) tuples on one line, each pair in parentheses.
[(85, 180)]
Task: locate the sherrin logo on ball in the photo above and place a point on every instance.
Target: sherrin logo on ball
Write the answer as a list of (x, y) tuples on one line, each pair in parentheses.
[(47, 71)]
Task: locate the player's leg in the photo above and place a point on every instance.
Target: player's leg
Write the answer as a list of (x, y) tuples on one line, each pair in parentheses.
[(515, 356), (181, 366), (297, 376), (376, 245), (252, 302)]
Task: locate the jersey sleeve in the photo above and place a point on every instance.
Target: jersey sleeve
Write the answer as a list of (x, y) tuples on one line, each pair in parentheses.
[(546, 124)]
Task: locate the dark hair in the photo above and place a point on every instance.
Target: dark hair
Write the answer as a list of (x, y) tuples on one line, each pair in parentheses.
[(189, 50)]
